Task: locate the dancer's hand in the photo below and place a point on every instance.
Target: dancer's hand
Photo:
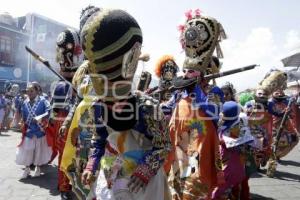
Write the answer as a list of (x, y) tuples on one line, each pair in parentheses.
[(86, 177), (287, 109), (74, 136), (62, 131), (51, 121), (135, 184)]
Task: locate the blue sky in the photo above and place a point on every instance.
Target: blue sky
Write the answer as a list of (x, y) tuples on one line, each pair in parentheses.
[(259, 31)]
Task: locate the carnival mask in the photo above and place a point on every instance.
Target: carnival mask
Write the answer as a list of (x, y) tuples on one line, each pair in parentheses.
[(274, 80), (199, 38), (68, 50)]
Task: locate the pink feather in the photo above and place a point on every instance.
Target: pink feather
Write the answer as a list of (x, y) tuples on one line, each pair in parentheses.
[(182, 43), (181, 28), (197, 12), (189, 14)]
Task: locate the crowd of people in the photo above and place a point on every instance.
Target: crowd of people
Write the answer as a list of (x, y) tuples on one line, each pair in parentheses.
[(11, 100), (184, 139)]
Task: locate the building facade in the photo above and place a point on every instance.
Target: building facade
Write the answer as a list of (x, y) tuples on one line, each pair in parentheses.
[(13, 60), (37, 32)]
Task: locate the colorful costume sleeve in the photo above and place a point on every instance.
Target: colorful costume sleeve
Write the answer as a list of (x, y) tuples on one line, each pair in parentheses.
[(61, 98), (171, 104), (2, 103), (151, 125), (70, 150), (47, 107), (71, 113), (155, 127), (98, 142), (210, 108), (271, 110), (195, 146), (200, 95)]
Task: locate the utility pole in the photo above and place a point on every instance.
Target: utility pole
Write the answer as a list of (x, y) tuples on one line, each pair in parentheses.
[(29, 60)]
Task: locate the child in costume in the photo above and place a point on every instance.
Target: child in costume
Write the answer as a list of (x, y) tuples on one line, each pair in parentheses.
[(235, 138)]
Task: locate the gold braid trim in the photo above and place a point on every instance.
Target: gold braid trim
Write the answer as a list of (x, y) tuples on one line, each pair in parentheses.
[(91, 29), (80, 73), (122, 41)]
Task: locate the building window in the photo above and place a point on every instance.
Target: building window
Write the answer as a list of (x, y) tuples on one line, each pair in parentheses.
[(6, 56), (2, 45), (8, 46)]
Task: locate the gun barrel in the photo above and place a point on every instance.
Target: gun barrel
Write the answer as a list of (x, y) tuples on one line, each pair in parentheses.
[(183, 83), (47, 64), (229, 72), (35, 55), (281, 126)]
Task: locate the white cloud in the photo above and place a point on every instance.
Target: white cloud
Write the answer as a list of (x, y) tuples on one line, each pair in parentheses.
[(292, 40), (258, 47)]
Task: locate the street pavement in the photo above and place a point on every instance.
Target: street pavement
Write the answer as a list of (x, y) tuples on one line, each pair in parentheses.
[(32, 188), (285, 185)]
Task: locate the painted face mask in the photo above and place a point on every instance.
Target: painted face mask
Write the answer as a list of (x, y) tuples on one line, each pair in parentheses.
[(68, 50), (274, 80), (261, 96), (166, 70)]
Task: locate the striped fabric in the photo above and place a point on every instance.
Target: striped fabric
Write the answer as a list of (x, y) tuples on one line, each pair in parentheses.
[(107, 36)]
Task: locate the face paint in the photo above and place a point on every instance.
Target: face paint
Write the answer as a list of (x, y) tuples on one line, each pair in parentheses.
[(68, 51), (191, 73), (169, 70)]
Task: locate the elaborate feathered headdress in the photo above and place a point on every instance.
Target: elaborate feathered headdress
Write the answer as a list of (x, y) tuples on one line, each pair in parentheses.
[(162, 62), (199, 37), (275, 79)]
